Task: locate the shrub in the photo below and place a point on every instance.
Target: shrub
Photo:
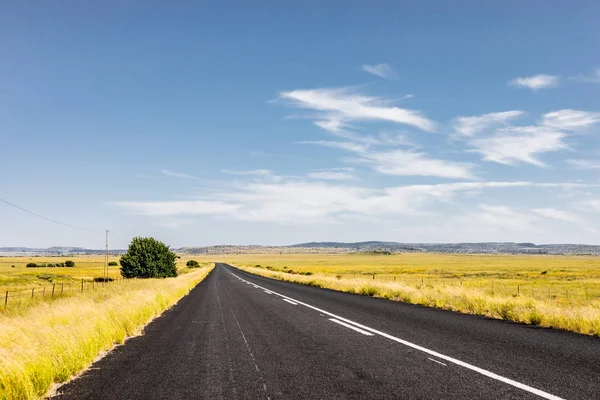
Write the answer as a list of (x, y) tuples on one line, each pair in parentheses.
[(31, 265), (69, 263), (113, 264), (102, 279), (12, 266), (148, 258), (192, 264)]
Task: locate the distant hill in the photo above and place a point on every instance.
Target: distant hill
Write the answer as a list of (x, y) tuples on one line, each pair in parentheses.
[(342, 248)]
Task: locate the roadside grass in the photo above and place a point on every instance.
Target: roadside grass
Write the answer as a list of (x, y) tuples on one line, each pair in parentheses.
[(561, 292), (50, 342)]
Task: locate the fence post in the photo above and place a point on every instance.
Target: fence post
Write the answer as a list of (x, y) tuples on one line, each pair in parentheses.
[(32, 290), (373, 276), (81, 285), (62, 287), (518, 289), (492, 287), (53, 285), (6, 299), (44, 292)]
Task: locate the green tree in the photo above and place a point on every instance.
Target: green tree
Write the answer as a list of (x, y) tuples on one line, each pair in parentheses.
[(69, 263), (148, 258), (192, 264)]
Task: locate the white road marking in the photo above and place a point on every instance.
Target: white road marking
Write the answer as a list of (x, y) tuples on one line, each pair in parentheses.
[(439, 362), (458, 362), (350, 326), (289, 301), (267, 292)]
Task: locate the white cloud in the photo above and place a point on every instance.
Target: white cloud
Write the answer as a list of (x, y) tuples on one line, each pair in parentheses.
[(570, 120), (499, 218), (536, 82), (583, 164), (260, 172), (553, 213), (177, 174), (588, 205), (334, 174), (470, 126), (164, 208), (402, 162), (381, 70), (307, 202), (340, 105), (520, 144)]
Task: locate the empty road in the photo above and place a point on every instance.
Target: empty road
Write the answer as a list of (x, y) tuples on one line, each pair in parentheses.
[(241, 336)]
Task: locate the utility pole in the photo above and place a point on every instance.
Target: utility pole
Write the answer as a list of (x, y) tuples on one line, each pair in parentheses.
[(106, 259)]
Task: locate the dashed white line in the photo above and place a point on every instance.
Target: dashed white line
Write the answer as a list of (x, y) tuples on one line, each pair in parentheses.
[(351, 327), (433, 353), (289, 301), (439, 362)]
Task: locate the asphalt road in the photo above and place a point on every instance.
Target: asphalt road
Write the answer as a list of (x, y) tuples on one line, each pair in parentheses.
[(240, 336)]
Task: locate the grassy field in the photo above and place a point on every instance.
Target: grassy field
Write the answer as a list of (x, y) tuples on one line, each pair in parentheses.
[(15, 275), (552, 291), (50, 341)]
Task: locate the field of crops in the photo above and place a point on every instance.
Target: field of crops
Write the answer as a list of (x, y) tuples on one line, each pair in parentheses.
[(553, 291)]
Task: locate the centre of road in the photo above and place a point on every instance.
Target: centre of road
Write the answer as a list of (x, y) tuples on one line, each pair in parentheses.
[(365, 330)]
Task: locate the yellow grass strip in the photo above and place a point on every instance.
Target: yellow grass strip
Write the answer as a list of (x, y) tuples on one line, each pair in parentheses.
[(582, 317), (52, 341)]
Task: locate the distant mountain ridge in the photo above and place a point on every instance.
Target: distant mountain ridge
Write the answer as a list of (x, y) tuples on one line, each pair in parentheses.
[(344, 247)]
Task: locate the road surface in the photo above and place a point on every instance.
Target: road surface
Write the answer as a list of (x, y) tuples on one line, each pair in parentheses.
[(241, 336)]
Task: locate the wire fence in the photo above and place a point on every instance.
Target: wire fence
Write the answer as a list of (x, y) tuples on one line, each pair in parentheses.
[(571, 290), (22, 297)]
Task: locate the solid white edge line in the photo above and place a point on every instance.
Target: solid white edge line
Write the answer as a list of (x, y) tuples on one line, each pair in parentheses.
[(351, 327), (289, 301), (463, 364)]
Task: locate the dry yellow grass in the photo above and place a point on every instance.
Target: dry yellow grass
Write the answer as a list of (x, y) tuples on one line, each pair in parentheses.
[(86, 267), (551, 291), (50, 342)]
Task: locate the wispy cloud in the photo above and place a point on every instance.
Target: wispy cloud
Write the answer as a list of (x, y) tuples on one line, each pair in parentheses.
[(570, 120), (553, 213), (260, 172), (520, 144), (165, 208), (583, 164), (401, 162), (511, 145), (469, 126), (499, 218), (340, 106), (594, 77), (381, 70), (305, 202), (333, 174), (177, 174), (535, 82)]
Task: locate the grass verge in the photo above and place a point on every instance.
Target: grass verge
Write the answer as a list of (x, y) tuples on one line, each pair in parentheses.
[(53, 341), (580, 317)]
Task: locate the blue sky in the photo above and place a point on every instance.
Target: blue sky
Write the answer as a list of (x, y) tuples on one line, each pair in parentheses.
[(280, 122)]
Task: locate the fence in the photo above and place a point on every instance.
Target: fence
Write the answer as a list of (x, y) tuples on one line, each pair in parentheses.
[(539, 290), (18, 297)]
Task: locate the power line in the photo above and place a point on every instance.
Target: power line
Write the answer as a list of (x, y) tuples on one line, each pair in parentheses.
[(49, 219)]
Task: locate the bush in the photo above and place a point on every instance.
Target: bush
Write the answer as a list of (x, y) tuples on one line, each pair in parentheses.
[(148, 258), (31, 265), (113, 264), (69, 263), (192, 264)]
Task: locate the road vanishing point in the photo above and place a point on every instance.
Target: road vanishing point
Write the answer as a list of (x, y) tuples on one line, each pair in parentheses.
[(242, 336)]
